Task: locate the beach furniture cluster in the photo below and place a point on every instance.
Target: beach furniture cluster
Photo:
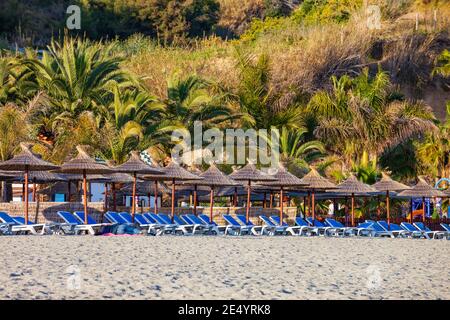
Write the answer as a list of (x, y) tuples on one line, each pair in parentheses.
[(27, 165)]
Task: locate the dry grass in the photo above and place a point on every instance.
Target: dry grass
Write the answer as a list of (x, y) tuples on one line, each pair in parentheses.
[(235, 15)]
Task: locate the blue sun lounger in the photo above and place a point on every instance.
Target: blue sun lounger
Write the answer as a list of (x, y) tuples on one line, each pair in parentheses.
[(188, 227), (205, 219), (77, 226), (378, 231), (322, 228), (430, 233), (13, 227), (293, 230), (160, 224), (255, 230), (235, 227), (446, 227), (272, 228), (396, 230), (416, 232), (115, 217), (209, 227), (305, 227), (340, 228)]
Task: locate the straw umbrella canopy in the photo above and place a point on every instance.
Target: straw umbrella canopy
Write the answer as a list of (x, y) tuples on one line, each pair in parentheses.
[(213, 177), (248, 174), (352, 186), (173, 172), (284, 179), (26, 161), (422, 190), (315, 182), (85, 165), (135, 165), (387, 184)]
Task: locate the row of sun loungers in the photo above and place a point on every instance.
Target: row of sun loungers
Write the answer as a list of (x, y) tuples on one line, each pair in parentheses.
[(190, 224)]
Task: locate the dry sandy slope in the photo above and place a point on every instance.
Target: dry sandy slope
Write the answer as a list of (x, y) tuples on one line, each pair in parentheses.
[(55, 267)]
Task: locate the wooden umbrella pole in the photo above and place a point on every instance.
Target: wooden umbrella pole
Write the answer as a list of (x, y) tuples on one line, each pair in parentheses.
[(34, 189), (281, 206), (211, 204), (156, 197), (271, 201), (133, 203), (85, 197), (313, 205), (353, 209), (195, 199), (411, 210), (247, 211), (106, 198), (264, 200), (114, 197), (423, 208), (26, 194), (388, 210), (173, 200), (309, 203), (379, 209)]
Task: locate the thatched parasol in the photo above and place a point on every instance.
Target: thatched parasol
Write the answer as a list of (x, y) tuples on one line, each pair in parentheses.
[(352, 186), (195, 184), (422, 190), (283, 179), (173, 172), (387, 184), (213, 177), (315, 182), (135, 166), (26, 161), (85, 165), (248, 174)]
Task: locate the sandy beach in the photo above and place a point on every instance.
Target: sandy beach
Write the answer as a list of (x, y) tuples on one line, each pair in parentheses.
[(85, 267)]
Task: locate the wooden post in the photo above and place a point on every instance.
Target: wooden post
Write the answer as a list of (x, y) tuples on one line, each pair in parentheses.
[(388, 210), (411, 210), (313, 199), (105, 208), (309, 204), (247, 212), (26, 194), (353, 209), (211, 204), (195, 199), (133, 203), (271, 200), (34, 189), (114, 197), (156, 197), (85, 197), (173, 200), (423, 208), (281, 206)]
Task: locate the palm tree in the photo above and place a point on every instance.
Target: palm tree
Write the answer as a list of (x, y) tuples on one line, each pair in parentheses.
[(296, 153), (13, 82), (259, 105), (132, 122), (13, 130), (193, 99), (362, 115)]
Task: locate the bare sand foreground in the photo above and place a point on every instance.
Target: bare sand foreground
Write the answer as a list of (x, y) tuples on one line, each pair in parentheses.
[(84, 267)]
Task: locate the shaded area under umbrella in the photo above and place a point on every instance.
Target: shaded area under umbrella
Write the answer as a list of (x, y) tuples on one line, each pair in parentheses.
[(387, 184), (136, 166), (315, 182), (421, 190), (173, 172), (248, 174), (283, 179), (26, 161), (352, 186), (84, 164)]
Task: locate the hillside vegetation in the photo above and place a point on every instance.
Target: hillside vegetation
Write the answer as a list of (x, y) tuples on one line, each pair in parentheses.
[(346, 97)]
